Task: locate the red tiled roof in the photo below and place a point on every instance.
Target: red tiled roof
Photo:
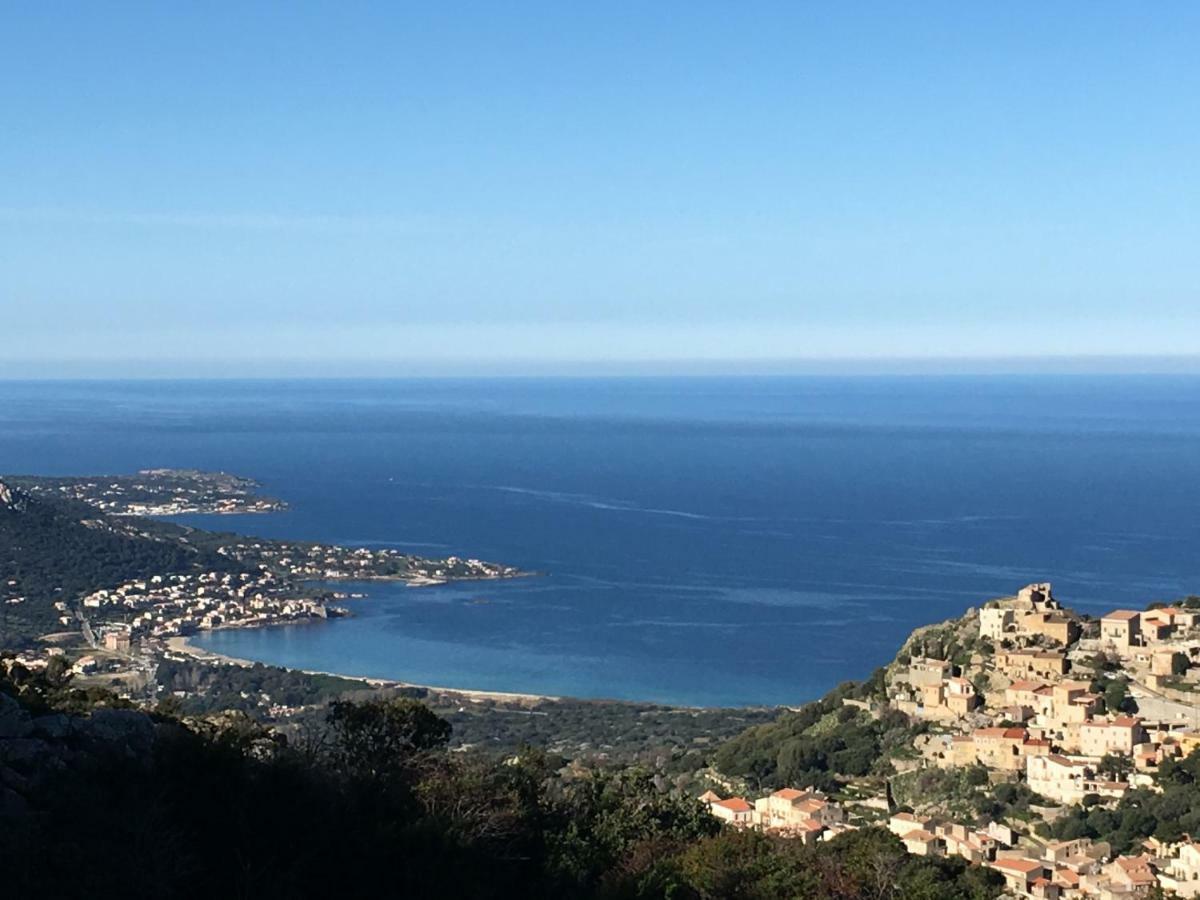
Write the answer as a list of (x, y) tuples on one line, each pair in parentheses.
[(734, 804), (1136, 867), (1025, 685), (1025, 866), (1012, 734), (918, 834), (789, 794), (1123, 615)]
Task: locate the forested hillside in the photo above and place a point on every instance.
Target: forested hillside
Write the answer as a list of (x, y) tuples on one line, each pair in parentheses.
[(820, 742), (59, 549)]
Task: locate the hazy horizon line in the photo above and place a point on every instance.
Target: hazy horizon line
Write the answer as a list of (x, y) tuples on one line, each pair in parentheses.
[(333, 369)]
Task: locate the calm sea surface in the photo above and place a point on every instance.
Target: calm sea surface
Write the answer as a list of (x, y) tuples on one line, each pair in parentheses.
[(707, 541)]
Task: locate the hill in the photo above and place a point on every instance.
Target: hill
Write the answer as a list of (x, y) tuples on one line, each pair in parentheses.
[(71, 541), (55, 550)]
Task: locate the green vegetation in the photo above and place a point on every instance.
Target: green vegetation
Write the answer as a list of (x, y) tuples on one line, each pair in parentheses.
[(212, 688), (964, 794), (1143, 813), (1115, 766), (1114, 690), (186, 488), (802, 748), (955, 642), (57, 550), (670, 740), (372, 804)]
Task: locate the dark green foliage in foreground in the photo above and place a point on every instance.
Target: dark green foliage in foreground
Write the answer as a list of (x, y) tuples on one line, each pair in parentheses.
[(794, 751), (1142, 813), (869, 863), (375, 806)]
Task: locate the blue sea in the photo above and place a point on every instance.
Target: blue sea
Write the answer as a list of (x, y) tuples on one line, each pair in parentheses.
[(706, 541)]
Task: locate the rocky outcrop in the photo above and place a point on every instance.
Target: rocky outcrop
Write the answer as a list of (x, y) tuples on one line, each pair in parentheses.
[(11, 498), (34, 747)]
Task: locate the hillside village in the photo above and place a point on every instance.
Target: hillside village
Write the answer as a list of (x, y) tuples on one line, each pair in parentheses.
[(1041, 712), (1023, 692)]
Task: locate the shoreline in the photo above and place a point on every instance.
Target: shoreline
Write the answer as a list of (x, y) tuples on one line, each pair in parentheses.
[(182, 645)]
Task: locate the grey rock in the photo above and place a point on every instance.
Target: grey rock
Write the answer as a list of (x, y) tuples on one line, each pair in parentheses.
[(129, 727), (14, 721), (13, 779), (55, 726), (24, 751), (12, 803)]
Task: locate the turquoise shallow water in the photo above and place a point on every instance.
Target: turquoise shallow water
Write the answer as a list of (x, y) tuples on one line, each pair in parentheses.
[(707, 541)]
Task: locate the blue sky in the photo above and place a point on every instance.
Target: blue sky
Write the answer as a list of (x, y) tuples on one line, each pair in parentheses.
[(357, 186)]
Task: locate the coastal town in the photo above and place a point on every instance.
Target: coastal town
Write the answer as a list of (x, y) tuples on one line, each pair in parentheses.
[(1015, 719), (1037, 695), (118, 636), (157, 492), (188, 580)]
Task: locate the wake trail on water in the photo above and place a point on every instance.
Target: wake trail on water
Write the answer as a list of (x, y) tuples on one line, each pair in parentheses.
[(593, 502)]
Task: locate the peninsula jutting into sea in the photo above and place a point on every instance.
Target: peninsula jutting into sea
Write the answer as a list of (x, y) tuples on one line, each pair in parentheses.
[(152, 581), (563, 451), (1022, 747)]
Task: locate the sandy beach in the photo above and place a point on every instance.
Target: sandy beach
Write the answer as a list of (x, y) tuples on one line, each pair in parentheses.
[(183, 646)]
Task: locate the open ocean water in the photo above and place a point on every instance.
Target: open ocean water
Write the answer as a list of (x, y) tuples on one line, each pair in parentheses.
[(708, 541)]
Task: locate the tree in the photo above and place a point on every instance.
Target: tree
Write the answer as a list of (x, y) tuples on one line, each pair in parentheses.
[(977, 775), (58, 671), (1116, 766), (379, 737), (1116, 693)]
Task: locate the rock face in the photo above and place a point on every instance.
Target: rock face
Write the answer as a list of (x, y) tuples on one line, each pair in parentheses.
[(34, 747), (14, 721)]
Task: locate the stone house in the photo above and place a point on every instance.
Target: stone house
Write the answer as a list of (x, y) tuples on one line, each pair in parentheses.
[(920, 842), (1029, 664), (1006, 748), (1121, 629), (735, 811), (1068, 780), (1120, 736), (791, 809), (1019, 872), (923, 671), (1182, 874)]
